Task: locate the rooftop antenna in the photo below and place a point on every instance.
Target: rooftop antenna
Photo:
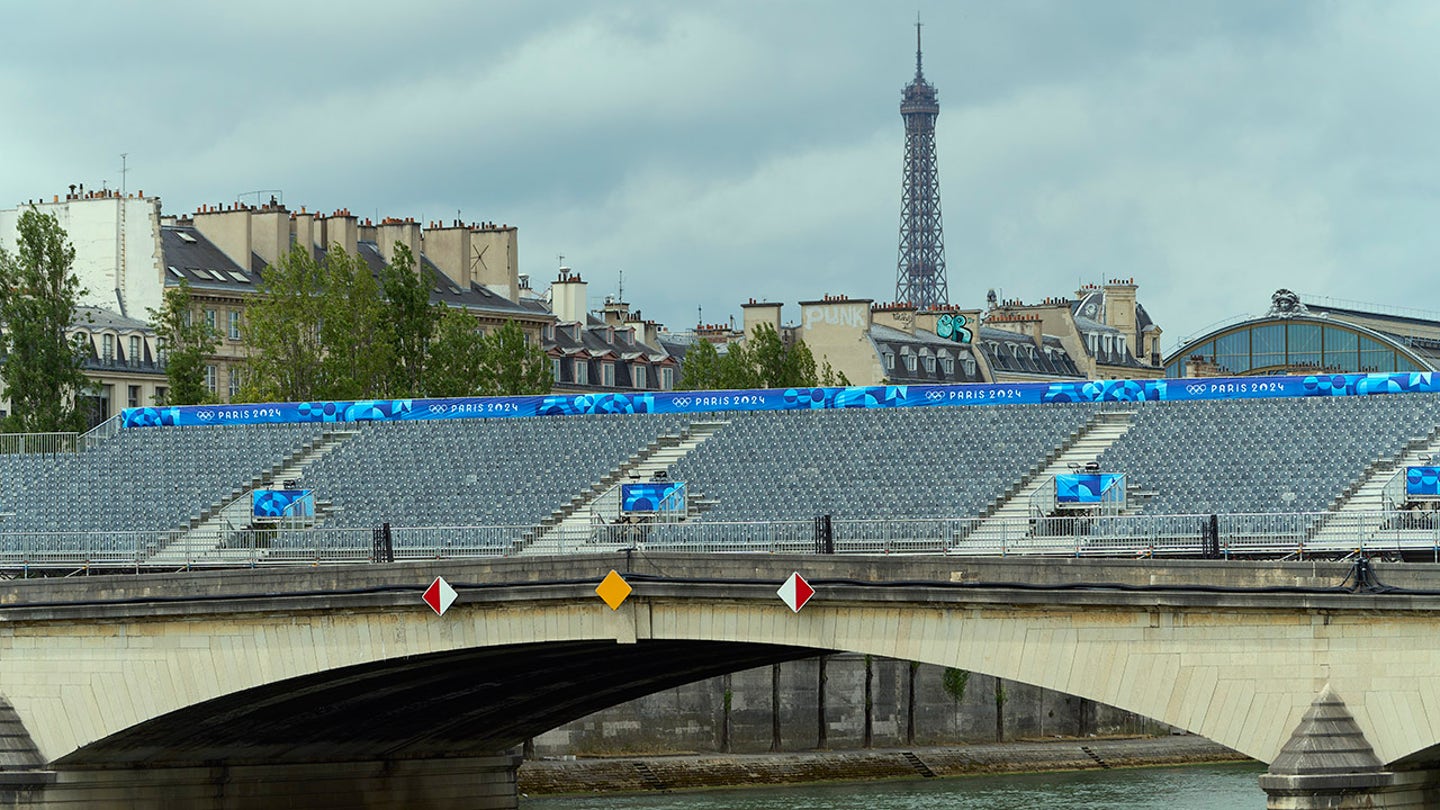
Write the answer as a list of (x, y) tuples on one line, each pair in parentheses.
[(918, 71), (699, 316), (621, 293), (123, 170)]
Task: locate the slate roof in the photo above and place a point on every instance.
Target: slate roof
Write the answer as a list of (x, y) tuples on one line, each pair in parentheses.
[(188, 255), (923, 344), (1014, 353), (594, 344)]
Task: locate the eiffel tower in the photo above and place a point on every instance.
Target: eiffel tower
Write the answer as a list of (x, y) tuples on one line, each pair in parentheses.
[(920, 276)]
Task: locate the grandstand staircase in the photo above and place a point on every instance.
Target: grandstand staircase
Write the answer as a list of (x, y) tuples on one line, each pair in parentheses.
[(1006, 516), (207, 537), (573, 522), (1354, 514)]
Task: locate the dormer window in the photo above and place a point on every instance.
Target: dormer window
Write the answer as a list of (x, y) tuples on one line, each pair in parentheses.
[(889, 361)]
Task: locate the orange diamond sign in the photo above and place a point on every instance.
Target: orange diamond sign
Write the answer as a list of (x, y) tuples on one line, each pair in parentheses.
[(613, 589)]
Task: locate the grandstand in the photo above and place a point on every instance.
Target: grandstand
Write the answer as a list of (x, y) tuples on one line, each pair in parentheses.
[(1278, 474)]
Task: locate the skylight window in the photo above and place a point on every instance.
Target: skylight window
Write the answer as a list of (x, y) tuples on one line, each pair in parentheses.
[(185, 237), (175, 272)]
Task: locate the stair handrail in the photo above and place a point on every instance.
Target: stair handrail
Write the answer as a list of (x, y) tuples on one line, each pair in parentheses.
[(108, 429), (673, 508), (1393, 493), (1042, 500)]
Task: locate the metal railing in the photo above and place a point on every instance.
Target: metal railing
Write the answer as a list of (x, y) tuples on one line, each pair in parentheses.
[(39, 443), (1289, 535), (108, 429)]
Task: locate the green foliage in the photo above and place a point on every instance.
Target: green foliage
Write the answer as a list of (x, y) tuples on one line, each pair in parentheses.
[(356, 359), (831, 378), (510, 366), (187, 340), (457, 356), (412, 320), (282, 331), (39, 298), (331, 330), (954, 681), (764, 360)]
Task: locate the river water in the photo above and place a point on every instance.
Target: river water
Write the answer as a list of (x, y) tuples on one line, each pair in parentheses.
[(1193, 787)]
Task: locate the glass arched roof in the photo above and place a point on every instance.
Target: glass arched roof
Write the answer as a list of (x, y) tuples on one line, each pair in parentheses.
[(1293, 345)]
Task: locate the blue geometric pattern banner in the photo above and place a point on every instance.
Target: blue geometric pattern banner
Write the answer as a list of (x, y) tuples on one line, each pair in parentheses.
[(1422, 481), (782, 399), (668, 496), (279, 503), (1087, 487)]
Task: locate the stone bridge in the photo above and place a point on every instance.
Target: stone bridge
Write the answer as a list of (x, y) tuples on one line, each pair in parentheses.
[(337, 687)]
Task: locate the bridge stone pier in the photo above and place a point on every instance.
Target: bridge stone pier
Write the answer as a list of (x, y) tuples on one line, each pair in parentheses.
[(337, 687)]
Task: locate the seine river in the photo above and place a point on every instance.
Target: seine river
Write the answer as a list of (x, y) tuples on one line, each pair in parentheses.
[(1195, 787)]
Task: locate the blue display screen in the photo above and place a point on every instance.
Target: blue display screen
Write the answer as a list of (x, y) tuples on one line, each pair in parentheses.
[(1422, 481), (656, 496), (281, 503), (1088, 487)]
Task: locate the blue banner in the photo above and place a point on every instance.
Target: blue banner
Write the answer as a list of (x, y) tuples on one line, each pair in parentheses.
[(282, 503), (1087, 487), (778, 399), (656, 496), (1423, 481)]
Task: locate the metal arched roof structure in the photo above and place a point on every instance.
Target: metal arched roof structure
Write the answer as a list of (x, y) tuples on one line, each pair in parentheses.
[(1294, 344)]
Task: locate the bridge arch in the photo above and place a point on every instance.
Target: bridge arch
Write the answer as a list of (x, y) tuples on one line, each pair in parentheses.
[(264, 669)]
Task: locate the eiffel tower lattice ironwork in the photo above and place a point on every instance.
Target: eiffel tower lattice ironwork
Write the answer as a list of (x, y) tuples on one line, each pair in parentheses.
[(920, 276)]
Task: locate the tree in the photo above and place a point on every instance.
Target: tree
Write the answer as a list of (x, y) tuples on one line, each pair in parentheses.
[(356, 344), (764, 360), (187, 340), (412, 320), (282, 330), (318, 330), (457, 356), (511, 366), (39, 299)]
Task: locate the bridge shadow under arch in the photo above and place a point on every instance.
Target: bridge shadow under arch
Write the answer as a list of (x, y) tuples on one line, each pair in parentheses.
[(456, 703)]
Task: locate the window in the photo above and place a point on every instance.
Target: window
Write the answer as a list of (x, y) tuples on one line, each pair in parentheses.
[(929, 364), (134, 397), (909, 362), (135, 356), (555, 368), (234, 384), (210, 318), (210, 378), (949, 365), (582, 372), (889, 361), (607, 374), (638, 376), (160, 393), (667, 378), (108, 351), (234, 324)]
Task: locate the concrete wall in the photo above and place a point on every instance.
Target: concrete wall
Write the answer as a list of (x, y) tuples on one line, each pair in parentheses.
[(836, 330), (693, 718), (117, 246)]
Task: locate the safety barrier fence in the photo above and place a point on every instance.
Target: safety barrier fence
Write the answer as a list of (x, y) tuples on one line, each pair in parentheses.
[(1294, 535)]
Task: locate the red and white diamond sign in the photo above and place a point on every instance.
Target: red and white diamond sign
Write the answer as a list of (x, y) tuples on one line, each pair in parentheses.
[(439, 596), (796, 592)]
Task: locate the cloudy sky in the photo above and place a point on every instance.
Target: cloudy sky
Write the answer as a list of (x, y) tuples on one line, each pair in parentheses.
[(716, 151)]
